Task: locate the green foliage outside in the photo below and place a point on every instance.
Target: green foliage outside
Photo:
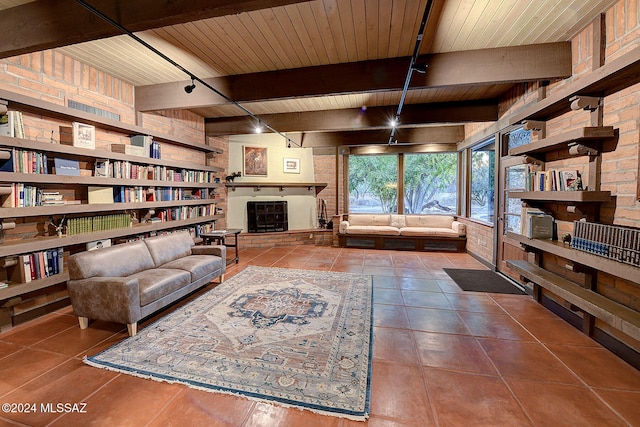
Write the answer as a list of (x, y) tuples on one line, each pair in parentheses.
[(425, 176)]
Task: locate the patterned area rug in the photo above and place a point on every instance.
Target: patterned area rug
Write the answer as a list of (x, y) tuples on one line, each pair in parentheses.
[(300, 338)]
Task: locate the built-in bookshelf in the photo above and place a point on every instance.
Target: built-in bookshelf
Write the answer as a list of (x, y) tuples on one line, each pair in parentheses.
[(139, 195)]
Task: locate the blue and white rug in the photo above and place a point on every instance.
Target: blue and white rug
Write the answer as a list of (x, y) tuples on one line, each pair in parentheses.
[(300, 338)]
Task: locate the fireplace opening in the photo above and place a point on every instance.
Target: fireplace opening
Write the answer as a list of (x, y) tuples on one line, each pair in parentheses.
[(263, 217)]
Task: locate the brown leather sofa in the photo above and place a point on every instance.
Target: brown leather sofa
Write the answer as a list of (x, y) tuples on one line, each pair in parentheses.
[(125, 283)]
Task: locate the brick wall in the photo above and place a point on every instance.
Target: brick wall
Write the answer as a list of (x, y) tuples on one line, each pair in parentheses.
[(287, 238), (619, 170), (324, 166)]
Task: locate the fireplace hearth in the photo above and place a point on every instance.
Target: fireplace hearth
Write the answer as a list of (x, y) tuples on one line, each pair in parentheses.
[(266, 216)]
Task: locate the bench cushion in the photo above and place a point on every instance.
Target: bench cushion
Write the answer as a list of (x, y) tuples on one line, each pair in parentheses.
[(382, 230), (428, 232), (369, 219), (431, 221)]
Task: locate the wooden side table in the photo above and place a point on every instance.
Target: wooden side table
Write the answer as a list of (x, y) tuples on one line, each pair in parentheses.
[(219, 238)]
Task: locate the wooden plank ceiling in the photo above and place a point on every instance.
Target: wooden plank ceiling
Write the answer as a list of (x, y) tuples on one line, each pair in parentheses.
[(310, 66)]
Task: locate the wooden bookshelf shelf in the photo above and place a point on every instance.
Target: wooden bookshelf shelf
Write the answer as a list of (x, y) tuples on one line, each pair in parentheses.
[(561, 141), (14, 247), (34, 178), (612, 77), (84, 153), (48, 109), (563, 196), (100, 207), (17, 289), (615, 268)]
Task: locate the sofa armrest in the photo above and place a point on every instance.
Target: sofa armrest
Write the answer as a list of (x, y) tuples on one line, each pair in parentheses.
[(459, 228), (217, 250), (113, 299)]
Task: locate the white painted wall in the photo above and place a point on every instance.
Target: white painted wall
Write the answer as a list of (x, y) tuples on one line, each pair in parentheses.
[(302, 203)]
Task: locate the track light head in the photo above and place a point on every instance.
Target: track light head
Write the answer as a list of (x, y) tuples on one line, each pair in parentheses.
[(191, 87), (420, 68)]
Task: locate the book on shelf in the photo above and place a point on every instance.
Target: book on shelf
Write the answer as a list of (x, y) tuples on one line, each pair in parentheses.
[(12, 125), (101, 168), (66, 167), (144, 142), (97, 195), (554, 180), (84, 136), (534, 224), (98, 244), (130, 150), (6, 160)]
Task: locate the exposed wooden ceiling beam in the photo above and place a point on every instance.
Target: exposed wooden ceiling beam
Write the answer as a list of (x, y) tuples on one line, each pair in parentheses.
[(448, 136), (547, 61), (356, 118), (47, 24)]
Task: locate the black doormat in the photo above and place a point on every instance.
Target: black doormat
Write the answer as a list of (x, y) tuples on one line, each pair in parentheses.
[(482, 281)]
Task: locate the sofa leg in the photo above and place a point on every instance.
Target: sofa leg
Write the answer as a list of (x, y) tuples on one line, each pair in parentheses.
[(132, 328), (84, 322), (222, 278)]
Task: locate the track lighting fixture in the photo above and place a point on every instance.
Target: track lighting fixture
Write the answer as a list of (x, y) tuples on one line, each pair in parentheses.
[(420, 68), (192, 76), (191, 87)]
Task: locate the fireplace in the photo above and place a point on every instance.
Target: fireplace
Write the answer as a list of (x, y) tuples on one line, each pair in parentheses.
[(263, 217)]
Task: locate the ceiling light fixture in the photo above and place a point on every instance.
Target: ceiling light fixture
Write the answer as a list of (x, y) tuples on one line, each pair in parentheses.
[(191, 87), (412, 66), (193, 77)]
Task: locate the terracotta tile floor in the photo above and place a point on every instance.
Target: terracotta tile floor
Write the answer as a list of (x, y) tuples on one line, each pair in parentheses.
[(441, 357)]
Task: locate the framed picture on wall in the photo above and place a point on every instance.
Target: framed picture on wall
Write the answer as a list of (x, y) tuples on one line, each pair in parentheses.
[(255, 161), (291, 165)]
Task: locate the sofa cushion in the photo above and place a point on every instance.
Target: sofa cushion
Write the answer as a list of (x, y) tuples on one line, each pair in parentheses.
[(381, 230), (157, 283), (369, 219), (169, 247), (398, 221), (428, 232), (197, 265), (114, 261), (432, 221)]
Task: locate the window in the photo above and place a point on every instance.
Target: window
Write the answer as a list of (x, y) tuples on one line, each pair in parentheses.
[(482, 181), (430, 183), (373, 183), (429, 180)]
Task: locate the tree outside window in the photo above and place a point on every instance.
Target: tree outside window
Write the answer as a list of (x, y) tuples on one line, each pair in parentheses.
[(430, 183), (482, 181)]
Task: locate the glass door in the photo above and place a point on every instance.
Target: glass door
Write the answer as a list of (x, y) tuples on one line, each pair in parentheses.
[(513, 173)]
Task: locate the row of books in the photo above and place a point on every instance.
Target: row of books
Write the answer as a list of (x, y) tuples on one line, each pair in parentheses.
[(39, 265), (609, 241), (184, 212), (26, 161), (92, 224), (24, 196), (127, 170), (554, 180), (12, 125), (152, 194)]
